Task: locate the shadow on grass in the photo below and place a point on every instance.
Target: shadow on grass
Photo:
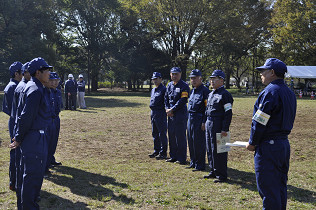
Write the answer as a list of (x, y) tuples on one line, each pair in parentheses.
[(90, 185), (52, 201), (109, 103), (247, 180)]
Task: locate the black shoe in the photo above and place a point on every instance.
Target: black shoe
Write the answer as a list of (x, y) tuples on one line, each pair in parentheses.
[(210, 176), (12, 188), (38, 199), (47, 174), (171, 160), (56, 164), (181, 162), (161, 157), (196, 169), (219, 180), (152, 155)]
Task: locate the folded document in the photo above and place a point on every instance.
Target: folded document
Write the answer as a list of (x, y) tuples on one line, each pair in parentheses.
[(237, 144)]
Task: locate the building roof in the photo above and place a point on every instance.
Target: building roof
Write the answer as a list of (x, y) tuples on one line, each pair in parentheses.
[(304, 72)]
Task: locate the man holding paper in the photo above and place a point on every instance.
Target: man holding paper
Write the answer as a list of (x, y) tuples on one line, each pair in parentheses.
[(219, 116), (272, 122)]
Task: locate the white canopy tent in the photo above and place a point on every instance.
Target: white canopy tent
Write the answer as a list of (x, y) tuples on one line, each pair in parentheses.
[(303, 72)]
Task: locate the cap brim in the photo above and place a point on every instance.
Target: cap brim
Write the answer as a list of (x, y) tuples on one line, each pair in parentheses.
[(261, 68), (154, 77), (193, 75)]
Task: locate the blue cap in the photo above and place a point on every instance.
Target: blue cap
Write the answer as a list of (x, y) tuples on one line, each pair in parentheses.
[(275, 64), (175, 70), (16, 66), (56, 75), (218, 73), (25, 67), (37, 64), (52, 75), (156, 75), (195, 73)]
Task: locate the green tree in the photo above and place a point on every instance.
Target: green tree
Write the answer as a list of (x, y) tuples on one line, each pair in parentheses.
[(293, 29), (176, 26), (93, 25), (26, 30)]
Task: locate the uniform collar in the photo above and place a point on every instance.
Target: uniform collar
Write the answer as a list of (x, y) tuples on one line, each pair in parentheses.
[(13, 80), (180, 81), (278, 81), (198, 88), (221, 87), (37, 82)]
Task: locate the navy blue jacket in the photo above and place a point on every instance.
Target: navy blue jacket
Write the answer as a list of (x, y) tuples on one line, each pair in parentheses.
[(198, 101), (8, 96), (176, 96), (70, 86), (274, 113), (157, 100), (219, 104), (16, 97), (58, 101), (81, 86), (34, 109)]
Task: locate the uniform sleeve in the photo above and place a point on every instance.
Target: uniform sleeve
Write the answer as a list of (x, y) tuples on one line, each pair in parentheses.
[(28, 115), (205, 98), (183, 99), (66, 87), (228, 113), (167, 104), (7, 101), (261, 115)]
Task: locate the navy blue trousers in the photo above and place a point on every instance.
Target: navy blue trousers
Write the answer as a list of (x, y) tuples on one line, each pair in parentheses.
[(177, 136), (53, 133), (217, 161), (271, 167), (196, 141), (12, 166), (159, 131), (33, 162)]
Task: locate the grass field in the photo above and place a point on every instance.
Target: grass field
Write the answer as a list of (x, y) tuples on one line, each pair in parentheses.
[(104, 150)]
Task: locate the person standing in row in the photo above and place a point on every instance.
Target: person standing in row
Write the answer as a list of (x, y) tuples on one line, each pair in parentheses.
[(273, 118), (16, 76), (219, 116), (176, 98), (58, 106), (70, 93), (81, 92), (158, 118), (196, 121), (30, 133), (16, 112), (53, 128)]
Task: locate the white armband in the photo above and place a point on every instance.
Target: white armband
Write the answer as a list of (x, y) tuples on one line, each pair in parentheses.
[(227, 107), (261, 117)]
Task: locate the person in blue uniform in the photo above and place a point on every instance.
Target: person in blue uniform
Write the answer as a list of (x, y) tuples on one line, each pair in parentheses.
[(70, 93), (17, 92), (16, 76), (53, 95), (219, 116), (196, 121), (58, 106), (158, 118), (273, 117), (176, 99), (30, 133)]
